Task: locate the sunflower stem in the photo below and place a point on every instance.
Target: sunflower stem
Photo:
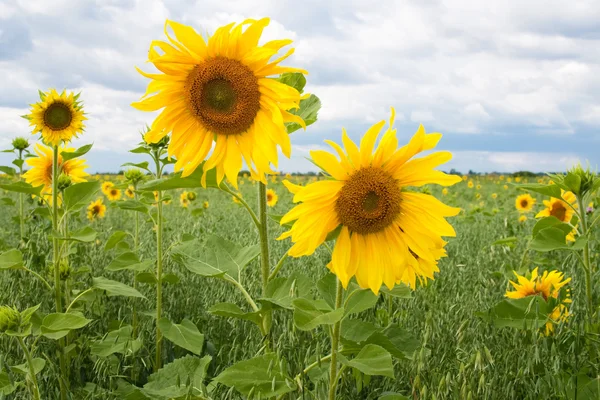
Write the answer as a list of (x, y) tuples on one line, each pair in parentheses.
[(335, 340), (586, 262), (134, 317), (264, 250), (35, 390), (56, 263), (21, 205), (159, 255)]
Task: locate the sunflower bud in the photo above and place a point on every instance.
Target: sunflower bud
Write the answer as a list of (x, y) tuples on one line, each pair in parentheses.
[(65, 271), (161, 144), (64, 181), (134, 176), (191, 196), (581, 181), (20, 143), (10, 319)]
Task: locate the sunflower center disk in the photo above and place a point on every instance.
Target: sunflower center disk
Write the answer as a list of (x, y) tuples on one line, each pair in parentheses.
[(223, 95), (57, 116), (558, 211), (524, 203), (369, 201)]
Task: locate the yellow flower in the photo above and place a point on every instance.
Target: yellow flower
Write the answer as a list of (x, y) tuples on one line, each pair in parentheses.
[(477, 195), (41, 168), (494, 196), (129, 192), (445, 191), (106, 186), (478, 187), (96, 209), (548, 285), (523, 218), (271, 198), (58, 117), (464, 177), (113, 194), (471, 184), (205, 205), (219, 90), (518, 179), (505, 187), (155, 193), (501, 177), (524, 202), (184, 199), (388, 233), (288, 176), (561, 209)]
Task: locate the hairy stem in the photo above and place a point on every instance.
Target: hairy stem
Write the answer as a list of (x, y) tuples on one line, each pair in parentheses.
[(264, 249), (159, 266), (335, 339), (35, 390)]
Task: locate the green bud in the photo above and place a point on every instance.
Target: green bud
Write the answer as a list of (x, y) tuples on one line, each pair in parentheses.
[(134, 176), (10, 319), (191, 196), (581, 181), (64, 181), (65, 271), (20, 143)]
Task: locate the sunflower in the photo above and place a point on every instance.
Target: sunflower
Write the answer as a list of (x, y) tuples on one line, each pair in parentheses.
[(471, 185), (388, 234), (548, 285), (58, 117), (523, 218), (445, 191), (494, 196), (106, 186), (524, 202), (205, 205), (505, 187), (129, 192), (560, 208), (218, 90), (184, 199), (271, 198), (41, 168), (96, 209), (113, 194)]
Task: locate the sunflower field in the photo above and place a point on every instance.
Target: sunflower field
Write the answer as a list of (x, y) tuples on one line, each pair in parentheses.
[(380, 277)]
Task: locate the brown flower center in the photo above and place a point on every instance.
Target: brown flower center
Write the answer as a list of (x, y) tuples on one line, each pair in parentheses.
[(524, 203), (559, 211), (113, 192), (223, 94), (369, 201), (96, 210), (57, 116)]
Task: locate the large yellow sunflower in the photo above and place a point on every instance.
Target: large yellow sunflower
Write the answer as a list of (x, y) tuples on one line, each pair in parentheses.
[(218, 91), (524, 202), (559, 208), (41, 168), (58, 117), (96, 209), (388, 233)]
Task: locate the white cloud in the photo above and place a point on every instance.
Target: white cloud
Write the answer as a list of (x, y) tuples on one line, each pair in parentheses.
[(488, 161)]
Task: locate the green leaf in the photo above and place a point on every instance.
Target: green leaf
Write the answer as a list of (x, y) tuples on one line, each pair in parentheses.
[(262, 375), (392, 396), (546, 190), (87, 234), (115, 238), (18, 163), (67, 155), (359, 300), (22, 187), (573, 182), (308, 314), (79, 195), (293, 79), (8, 201), (38, 366), (114, 288), (527, 313), (231, 310), (217, 258), (181, 379), (309, 108), (282, 291), (184, 335), (58, 325), (372, 360), (8, 170), (399, 342), (118, 341), (146, 277), (549, 222), (509, 241), (176, 181), (549, 239), (142, 165), (326, 286), (129, 261), (400, 290), (132, 205), (7, 386), (140, 150), (11, 259), (170, 279)]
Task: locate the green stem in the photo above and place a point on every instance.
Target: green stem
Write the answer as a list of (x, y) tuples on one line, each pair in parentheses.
[(245, 204), (39, 277), (21, 205), (278, 266), (80, 295), (136, 235), (586, 262), (264, 249), (56, 262), (35, 391), (335, 339), (159, 266)]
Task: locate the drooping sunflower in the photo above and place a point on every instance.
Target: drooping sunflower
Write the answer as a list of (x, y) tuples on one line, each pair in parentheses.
[(219, 91), (388, 233), (96, 209), (524, 202), (559, 208), (548, 285), (113, 194), (41, 168), (129, 192), (106, 186), (58, 117), (272, 198)]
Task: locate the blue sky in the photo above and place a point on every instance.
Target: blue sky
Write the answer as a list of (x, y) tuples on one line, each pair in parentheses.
[(512, 85)]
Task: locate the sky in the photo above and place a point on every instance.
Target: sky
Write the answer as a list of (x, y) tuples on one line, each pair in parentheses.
[(512, 85)]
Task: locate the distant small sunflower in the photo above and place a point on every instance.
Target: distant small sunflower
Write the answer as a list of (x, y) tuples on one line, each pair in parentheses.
[(113, 194), (205, 205), (58, 117), (559, 208), (494, 196), (96, 209), (106, 186), (522, 218), (445, 191), (524, 202), (184, 199), (471, 185), (505, 187), (129, 192), (478, 187), (271, 198)]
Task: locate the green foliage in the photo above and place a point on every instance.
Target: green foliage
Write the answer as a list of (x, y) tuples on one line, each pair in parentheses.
[(184, 335), (527, 313)]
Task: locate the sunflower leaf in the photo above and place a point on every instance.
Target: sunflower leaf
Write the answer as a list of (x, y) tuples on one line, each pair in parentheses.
[(546, 190), (115, 288), (8, 170), (11, 259), (142, 165), (184, 335), (22, 187), (372, 360), (69, 155), (308, 111), (293, 79), (78, 195), (176, 181), (527, 313)]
